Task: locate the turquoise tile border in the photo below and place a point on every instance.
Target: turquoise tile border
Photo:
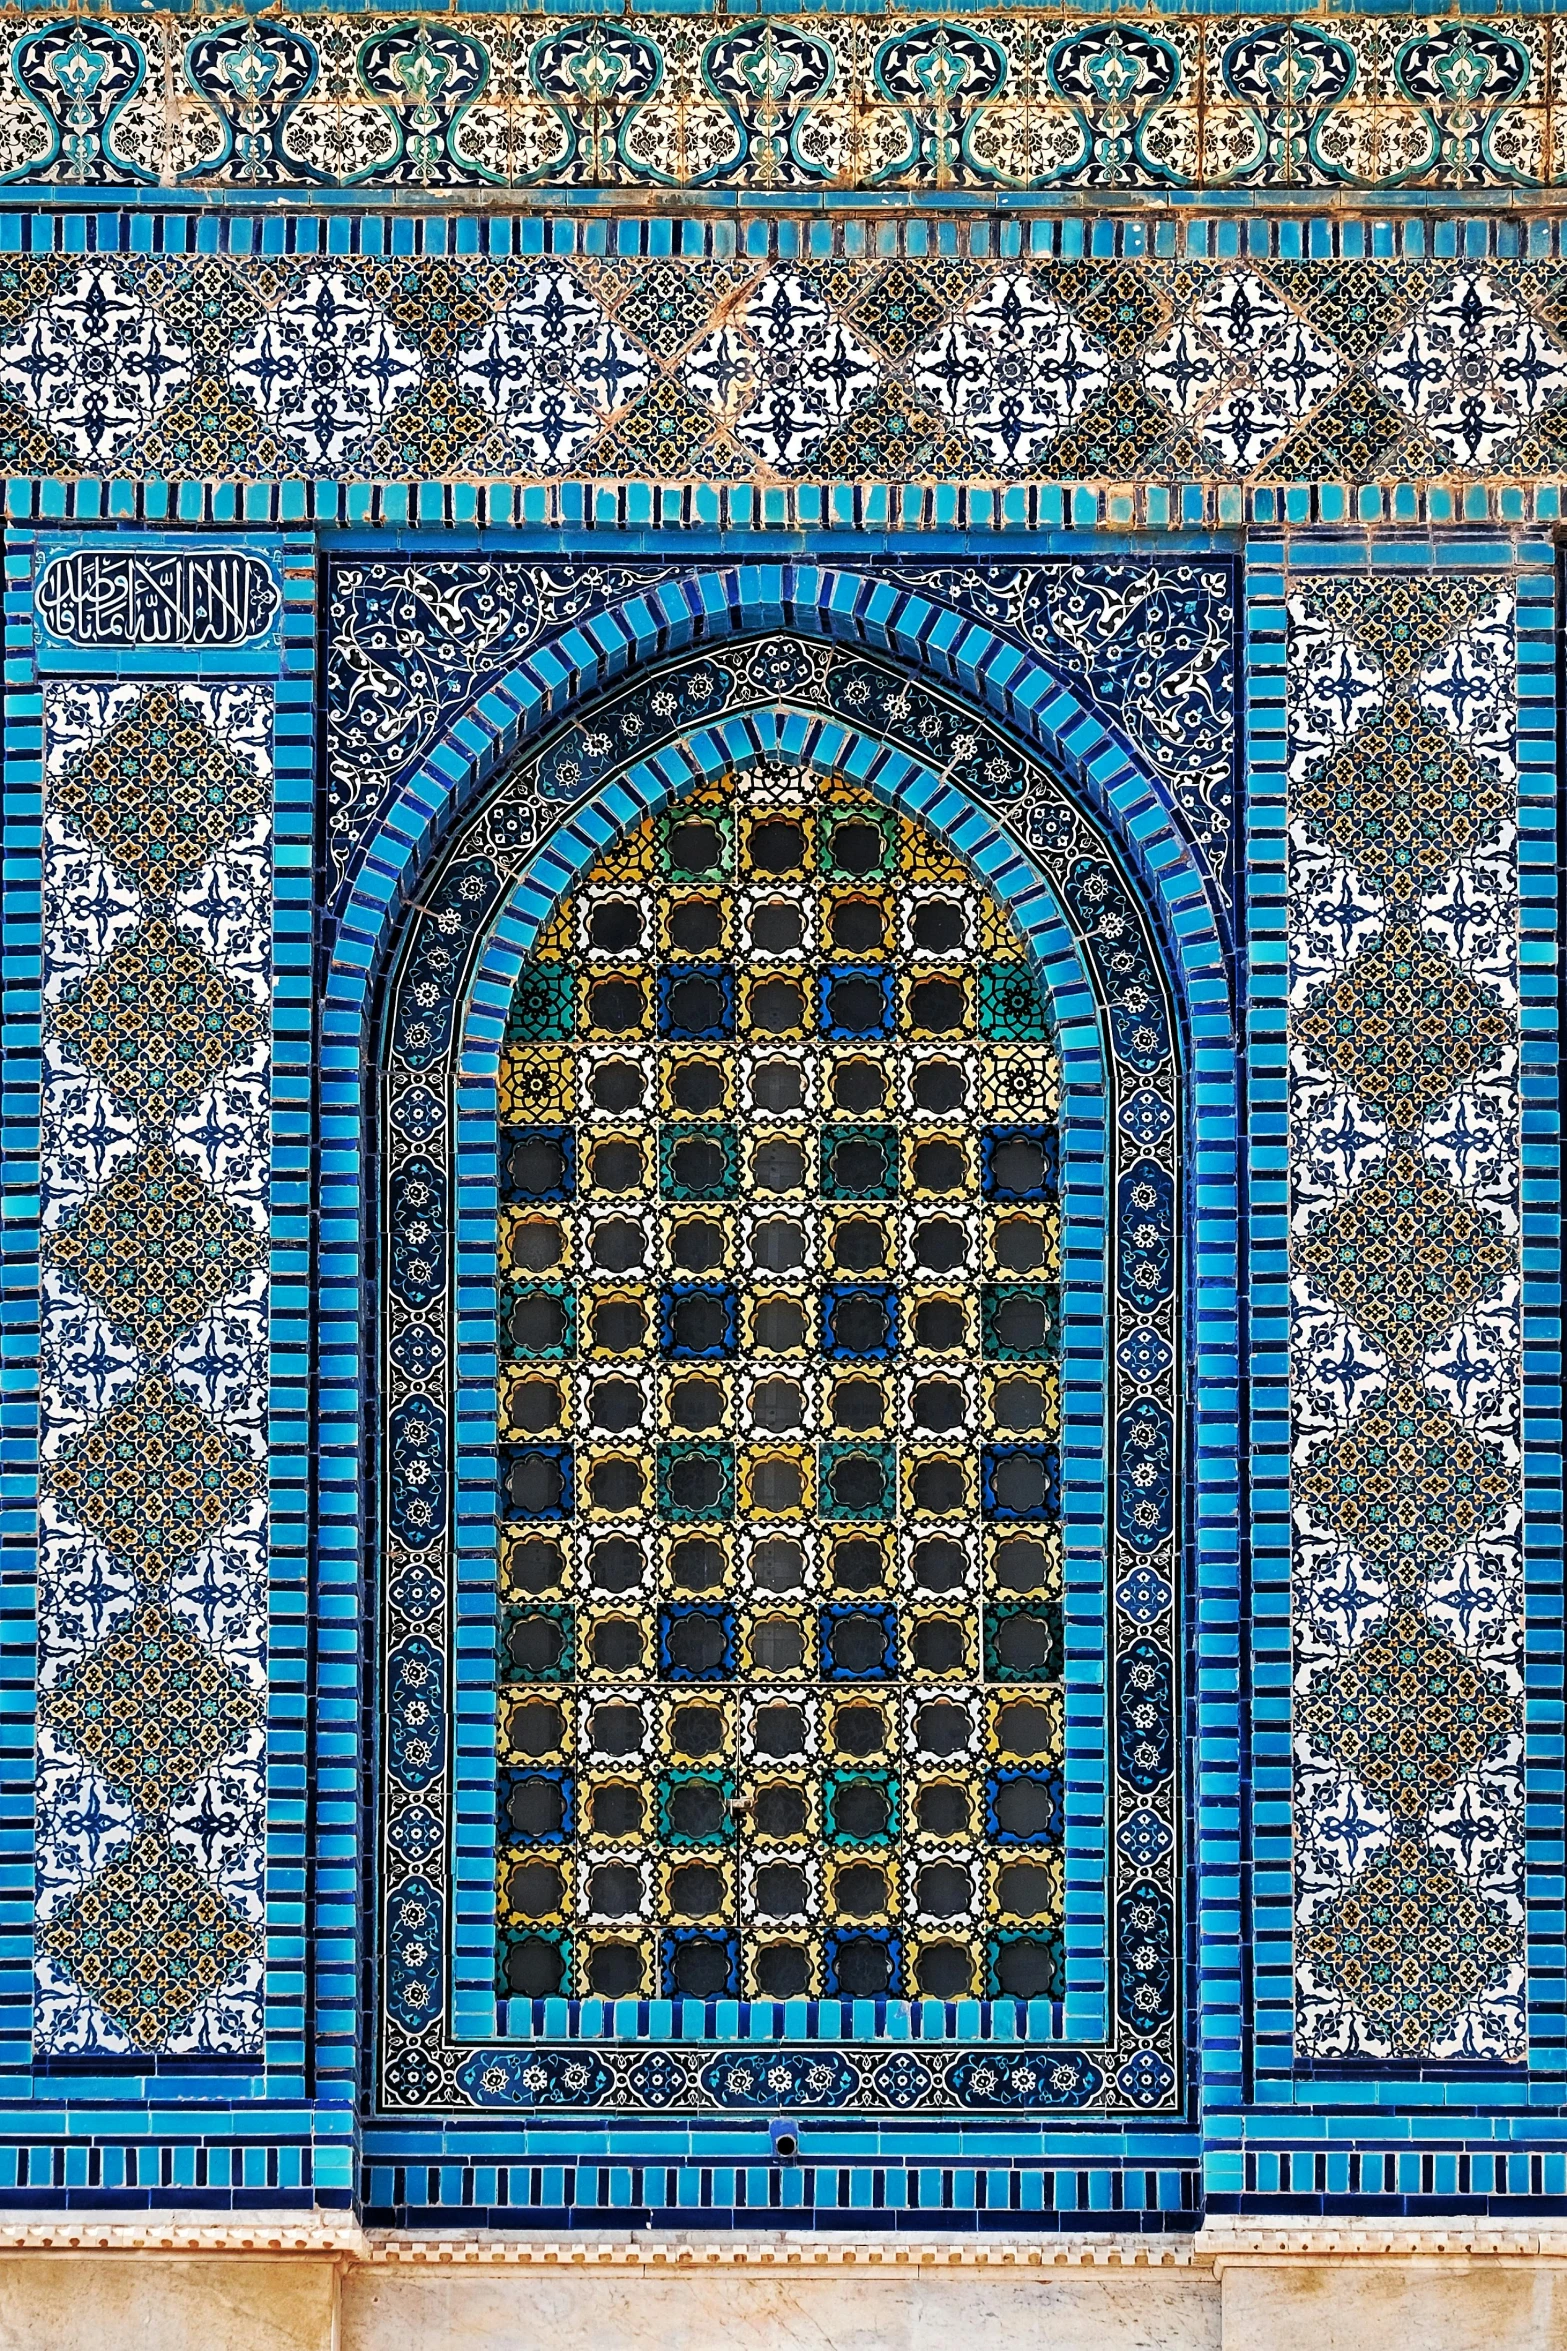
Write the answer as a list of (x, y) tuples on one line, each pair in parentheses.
[(1437, 2138)]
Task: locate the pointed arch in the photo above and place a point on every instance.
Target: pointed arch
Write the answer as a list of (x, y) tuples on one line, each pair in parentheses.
[(1077, 983)]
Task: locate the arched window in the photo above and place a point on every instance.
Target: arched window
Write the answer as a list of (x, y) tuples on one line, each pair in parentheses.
[(779, 1577), (780, 1445)]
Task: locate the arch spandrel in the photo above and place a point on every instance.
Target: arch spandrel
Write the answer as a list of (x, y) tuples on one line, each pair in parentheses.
[(946, 630)]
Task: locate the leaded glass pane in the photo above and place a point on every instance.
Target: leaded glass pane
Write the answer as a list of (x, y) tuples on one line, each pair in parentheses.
[(779, 1476)]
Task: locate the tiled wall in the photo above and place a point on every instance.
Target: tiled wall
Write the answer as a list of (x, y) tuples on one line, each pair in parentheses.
[(1220, 703), (1331, 1812), (578, 371)]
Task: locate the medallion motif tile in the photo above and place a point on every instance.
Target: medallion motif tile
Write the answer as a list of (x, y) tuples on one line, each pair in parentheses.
[(152, 1947), (709, 369)]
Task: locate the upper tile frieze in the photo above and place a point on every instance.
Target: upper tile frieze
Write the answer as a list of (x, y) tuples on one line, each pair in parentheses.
[(1001, 102)]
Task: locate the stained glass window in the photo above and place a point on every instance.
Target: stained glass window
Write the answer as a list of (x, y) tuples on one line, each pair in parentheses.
[(778, 1501)]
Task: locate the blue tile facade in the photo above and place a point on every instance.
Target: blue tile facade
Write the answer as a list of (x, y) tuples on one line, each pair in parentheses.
[(376, 572)]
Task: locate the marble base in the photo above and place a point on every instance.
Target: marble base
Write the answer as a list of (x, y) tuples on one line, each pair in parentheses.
[(1452, 2289), (319, 2283), (875, 2302)]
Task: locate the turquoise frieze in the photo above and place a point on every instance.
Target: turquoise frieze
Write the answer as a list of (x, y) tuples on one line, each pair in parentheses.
[(783, 106)]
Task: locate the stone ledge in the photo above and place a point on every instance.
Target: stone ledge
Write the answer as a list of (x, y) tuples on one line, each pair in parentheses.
[(1222, 2243), (332, 2234), (805, 2250), (1243, 2241)]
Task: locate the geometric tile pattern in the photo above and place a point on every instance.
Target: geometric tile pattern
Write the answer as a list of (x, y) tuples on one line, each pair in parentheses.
[(1405, 1305), (152, 1586), (728, 370), (994, 102)]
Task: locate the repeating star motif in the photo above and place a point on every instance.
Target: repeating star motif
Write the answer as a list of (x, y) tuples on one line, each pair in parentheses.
[(550, 370), (1144, 369), (325, 368)]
